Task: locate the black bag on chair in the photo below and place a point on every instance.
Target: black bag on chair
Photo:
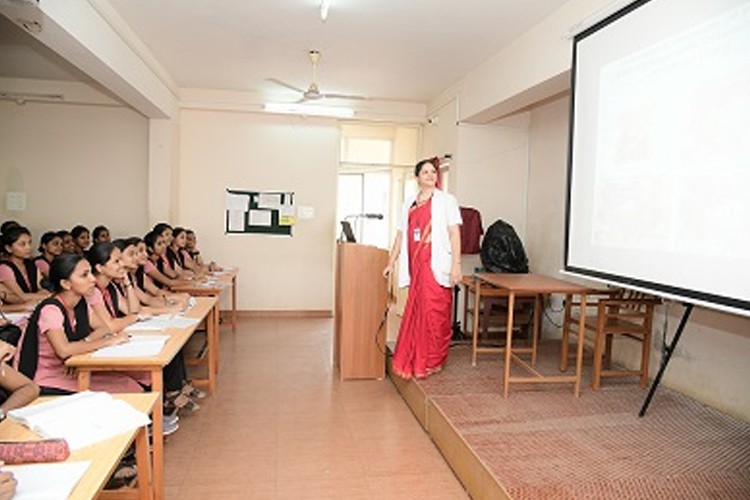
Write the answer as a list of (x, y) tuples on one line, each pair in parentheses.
[(502, 250)]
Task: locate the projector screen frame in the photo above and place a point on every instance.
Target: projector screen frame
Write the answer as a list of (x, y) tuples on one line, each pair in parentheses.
[(709, 300)]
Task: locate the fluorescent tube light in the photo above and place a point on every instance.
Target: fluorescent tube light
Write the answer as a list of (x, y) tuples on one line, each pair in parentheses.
[(325, 5), (308, 109)]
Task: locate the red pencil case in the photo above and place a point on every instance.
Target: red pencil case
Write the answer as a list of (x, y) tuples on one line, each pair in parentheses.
[(23, 452)]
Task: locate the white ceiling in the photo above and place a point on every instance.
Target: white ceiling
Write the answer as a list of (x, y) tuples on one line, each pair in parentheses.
[(408, 50)]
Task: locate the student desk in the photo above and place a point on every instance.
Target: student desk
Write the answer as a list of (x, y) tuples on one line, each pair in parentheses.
[(531, 285), (199, 288), (105, 455), (84, 364)]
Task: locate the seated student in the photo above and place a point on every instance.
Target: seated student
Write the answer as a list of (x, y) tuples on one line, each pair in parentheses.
[(50, 246), (16, 390), (115, 307), (171, 268), (68, 244), (100, 234), (177, 254), (59, 328), (119, 306), (17, 271), (81, 239), (133, 255), (157, 248), (191, 247)]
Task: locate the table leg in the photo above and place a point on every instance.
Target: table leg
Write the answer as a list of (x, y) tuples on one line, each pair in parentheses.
[(234, 303), (212, 337), (537, 327), (157, 429), (508, 343), (579, 353), (475, 331), (143, 463), (84, 379)]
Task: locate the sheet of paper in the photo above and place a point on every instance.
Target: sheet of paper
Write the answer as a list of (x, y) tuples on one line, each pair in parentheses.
[(269, 200), (17, 318), (260, 218), (239, 202), (236, 220), (139, 346), (47, 481)]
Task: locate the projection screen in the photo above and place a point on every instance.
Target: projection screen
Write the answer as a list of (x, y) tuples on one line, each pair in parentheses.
[(659, 158)]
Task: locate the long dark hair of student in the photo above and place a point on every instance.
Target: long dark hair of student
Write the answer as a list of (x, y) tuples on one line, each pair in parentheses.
[(160, 228), (98, 230), (78, 231), (100, 254), (12, 234), (7, 225), (46, 238), (150, 240), (61, 269)]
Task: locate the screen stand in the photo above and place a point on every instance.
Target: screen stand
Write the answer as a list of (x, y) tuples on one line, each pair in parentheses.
[(666, 356)]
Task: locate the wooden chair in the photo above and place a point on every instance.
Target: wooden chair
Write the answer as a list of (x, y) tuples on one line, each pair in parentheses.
[(493, 319), (617, 312)]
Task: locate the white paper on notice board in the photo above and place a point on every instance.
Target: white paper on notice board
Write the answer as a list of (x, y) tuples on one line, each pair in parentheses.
[(259, 218), (269, 200), (236, 220), (237, 201)]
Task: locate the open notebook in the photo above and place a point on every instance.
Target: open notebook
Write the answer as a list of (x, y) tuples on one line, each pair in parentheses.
[(81, 419)]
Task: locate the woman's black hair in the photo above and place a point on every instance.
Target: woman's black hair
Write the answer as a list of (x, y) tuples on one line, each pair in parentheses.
[(100, 254), (189, 231), (78, 231), (7, 225), (97, 231), (150, 239), (46, 238), (176, 231), (160, 228), (62, 268), (422, 163), (12, 234), (133, 240), (62, 233)]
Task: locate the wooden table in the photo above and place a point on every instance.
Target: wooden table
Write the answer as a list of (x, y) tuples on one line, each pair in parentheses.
[(105, 455), (531, 285), (199, 288), (85, 364)]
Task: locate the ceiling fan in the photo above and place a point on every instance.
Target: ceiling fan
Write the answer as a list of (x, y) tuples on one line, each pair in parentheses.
[(313, 93)]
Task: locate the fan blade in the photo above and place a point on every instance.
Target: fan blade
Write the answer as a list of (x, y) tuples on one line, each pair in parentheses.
[(345, 96), (284, 84)]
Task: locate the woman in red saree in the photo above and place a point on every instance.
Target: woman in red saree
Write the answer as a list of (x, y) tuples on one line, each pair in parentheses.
[(429, 236)]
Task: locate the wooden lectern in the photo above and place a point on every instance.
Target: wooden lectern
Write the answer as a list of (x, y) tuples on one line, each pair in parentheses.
[(361, 299)]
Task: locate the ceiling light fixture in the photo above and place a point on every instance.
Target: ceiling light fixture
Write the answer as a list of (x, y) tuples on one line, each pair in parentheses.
[(325, 5), (308, 110)]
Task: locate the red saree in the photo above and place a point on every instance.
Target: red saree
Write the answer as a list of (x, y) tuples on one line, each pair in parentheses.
[(425, 334)]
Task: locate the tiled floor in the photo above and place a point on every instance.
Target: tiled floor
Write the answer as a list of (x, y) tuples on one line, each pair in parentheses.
[(282, 426)]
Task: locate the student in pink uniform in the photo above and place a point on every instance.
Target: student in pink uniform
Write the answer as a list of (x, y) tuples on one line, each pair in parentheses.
[(81, 239), (59, 328), (68, 244), (50, 246), (17, 271), (160, 269)]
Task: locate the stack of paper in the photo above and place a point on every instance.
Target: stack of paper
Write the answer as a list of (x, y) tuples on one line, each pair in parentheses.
[(162, 322), (17, 318), (137, 346), (81, 419)]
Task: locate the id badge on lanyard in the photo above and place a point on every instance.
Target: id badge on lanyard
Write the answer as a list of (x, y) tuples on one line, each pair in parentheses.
[(417, 234)]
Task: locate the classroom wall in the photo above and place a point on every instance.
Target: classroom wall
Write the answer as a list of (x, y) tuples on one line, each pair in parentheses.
[(226, 149), (77, 164), (710, 363)]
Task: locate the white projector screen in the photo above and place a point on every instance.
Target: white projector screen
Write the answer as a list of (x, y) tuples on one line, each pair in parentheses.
[(659, 166)]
